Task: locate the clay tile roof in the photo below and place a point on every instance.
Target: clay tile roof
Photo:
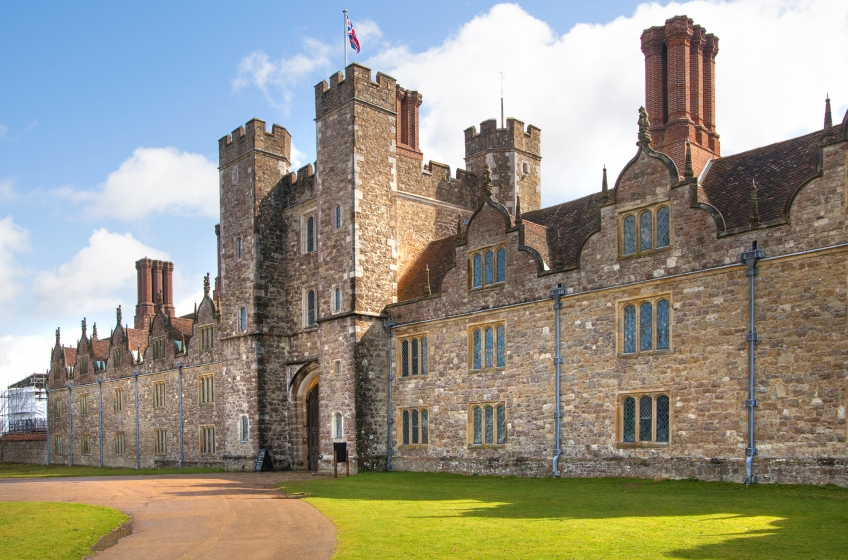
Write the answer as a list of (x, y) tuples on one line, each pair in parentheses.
[(70, 355), (101, 349), (183, 325), (439, 255), (568, 226), (779, 169), (536, 236), (137, 339)]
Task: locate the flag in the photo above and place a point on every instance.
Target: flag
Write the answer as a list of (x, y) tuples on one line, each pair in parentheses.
[(351, 34)]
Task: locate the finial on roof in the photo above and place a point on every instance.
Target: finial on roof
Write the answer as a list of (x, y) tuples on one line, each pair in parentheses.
[(828, 119), (57, 336), (159, 301), (689, 172), (195, 310), (459, 226), (518, 219), (487, 181), (605, 187), (754, 219), (84, 327), (118, 315), (427, 291), (644, 127), (206, 285), (94, 331)]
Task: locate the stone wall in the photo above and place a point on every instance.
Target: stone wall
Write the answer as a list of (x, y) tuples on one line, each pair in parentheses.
[(24, 448)]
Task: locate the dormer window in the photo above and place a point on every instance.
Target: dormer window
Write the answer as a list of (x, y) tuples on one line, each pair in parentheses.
[(644, 230), (488, 266), (83, 366), (158, 348), (117, 354)]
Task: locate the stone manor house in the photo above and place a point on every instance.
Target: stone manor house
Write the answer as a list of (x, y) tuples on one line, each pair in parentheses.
[(381, 301)]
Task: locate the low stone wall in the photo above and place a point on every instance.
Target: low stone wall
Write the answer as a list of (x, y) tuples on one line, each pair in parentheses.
[(24, 448)]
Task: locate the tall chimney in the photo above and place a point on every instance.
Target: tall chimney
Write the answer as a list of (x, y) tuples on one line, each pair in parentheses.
[(157, 279), (168, 288), (680, 90), (144, 308)]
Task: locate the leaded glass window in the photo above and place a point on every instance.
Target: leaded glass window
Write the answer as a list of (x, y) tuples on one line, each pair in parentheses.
[(478, 270), (338, 216), (425, 427), (478, 425), (490, 267), (501, 346), (663, 233), (478, 350), (501, 424), (414, 356), (310, 308), (424, 356), (414, 427), (404, 356), (501, 265), (629, 420), (662, 418), (630, 329), (646, 321), (338, 302), (338, 430), (662, 324), (489, 346), (629, 235), (242, 321), (646, 235), (405, 427), (310, 234), (646, 406), (489, 425)]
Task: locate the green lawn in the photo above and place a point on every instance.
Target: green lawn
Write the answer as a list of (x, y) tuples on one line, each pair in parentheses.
[(17, 470), (53, 530), (418, 515)]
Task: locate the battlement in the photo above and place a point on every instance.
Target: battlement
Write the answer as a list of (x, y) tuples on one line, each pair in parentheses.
[(513, 136), (356, 83), (442, 171), (302, 174), (254, 135)]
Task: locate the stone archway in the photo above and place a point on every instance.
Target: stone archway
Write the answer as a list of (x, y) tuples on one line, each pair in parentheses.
[(313, 420), (305, 398)]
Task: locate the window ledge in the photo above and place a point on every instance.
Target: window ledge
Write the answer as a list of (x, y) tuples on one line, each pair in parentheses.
[(642, 445), (488, 286), (641, 254), (493, 368), (411, 446), (419, 376), (644, 353), (486, 445)]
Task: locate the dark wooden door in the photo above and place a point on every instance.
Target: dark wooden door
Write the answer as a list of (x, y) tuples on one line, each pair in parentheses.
[(312, 443)]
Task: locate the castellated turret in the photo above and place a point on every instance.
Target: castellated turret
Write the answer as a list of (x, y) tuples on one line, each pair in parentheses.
[(514, 156)]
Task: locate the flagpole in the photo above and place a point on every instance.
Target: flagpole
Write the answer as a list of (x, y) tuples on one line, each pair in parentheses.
[(344, 40)]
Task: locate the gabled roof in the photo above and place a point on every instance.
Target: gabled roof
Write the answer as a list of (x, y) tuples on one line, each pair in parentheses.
[(568, 226), (101, 349), (439, 256), (70, 355)]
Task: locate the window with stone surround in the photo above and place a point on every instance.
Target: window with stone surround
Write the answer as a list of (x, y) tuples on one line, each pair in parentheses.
[(310, 307), (338, 426), (206, 389), (337, 299), (69, 371), (85, 444), (415, 426), (57, 407), (119, 443), (644, 419), (337, 367), (338, 217), (234, 175), (487, 346), (414, 356), (117, 356), (159, 394), (159, 348), (57, 371), (206, 341), (58, 445), (99, 365), (160, 440), (119, 399), (644, 230), (82, 364), (644, 325), (487, 266), (207, 440), (242, 318), (308, 233), (83, 404), (486, 424), (244, 428), (239, 248)]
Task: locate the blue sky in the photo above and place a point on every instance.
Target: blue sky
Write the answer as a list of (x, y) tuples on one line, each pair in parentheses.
[(110, 115)]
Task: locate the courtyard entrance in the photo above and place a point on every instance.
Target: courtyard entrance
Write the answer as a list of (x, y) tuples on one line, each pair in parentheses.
[(313, 445)]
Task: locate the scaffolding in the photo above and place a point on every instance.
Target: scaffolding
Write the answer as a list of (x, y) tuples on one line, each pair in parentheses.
[(23, 405)]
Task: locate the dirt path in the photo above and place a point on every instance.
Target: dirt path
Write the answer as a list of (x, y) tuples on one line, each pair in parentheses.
[(195, 516)]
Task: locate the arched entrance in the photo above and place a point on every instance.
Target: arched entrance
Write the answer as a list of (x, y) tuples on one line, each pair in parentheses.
[(313, 445)]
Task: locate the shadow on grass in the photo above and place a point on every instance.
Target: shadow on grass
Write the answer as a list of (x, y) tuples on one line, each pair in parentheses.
[(804, 521)]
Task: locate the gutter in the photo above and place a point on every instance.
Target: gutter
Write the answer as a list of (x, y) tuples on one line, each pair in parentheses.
[(750, 259), (556, 294)]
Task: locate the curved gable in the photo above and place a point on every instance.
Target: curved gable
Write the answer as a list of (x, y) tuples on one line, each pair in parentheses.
[(643, 174)]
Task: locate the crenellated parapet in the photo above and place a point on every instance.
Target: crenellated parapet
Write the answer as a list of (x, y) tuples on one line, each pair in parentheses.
[(513, 136), (356, 83), (254, 136)]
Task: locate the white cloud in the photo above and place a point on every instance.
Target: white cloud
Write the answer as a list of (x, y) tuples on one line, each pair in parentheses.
[(277, 79), (95, 279), (154, 181), (368, 32), (13, 239), (7, 190), (21, 356), (777, 61)]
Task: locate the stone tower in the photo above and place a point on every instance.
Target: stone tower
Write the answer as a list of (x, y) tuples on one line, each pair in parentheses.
[(680, 90), (514, 156)]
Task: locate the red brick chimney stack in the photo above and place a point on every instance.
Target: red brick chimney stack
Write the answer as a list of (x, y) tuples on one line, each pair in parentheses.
[(144, 307), (153, 277), (168, 288), (680, 90), (408, 103)]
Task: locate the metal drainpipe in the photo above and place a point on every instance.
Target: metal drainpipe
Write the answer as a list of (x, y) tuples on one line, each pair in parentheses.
[(750, 258), (389, 324), (137, 443), (70, 428), (47, 391), (556, 294), (180, 377), (100, 412)]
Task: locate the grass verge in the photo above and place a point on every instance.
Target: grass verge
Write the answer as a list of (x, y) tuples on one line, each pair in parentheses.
[(17, 470), (37, 530), (425, 515)]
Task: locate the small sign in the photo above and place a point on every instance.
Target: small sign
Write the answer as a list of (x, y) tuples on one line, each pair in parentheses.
[(263, 459), (340, 450)]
